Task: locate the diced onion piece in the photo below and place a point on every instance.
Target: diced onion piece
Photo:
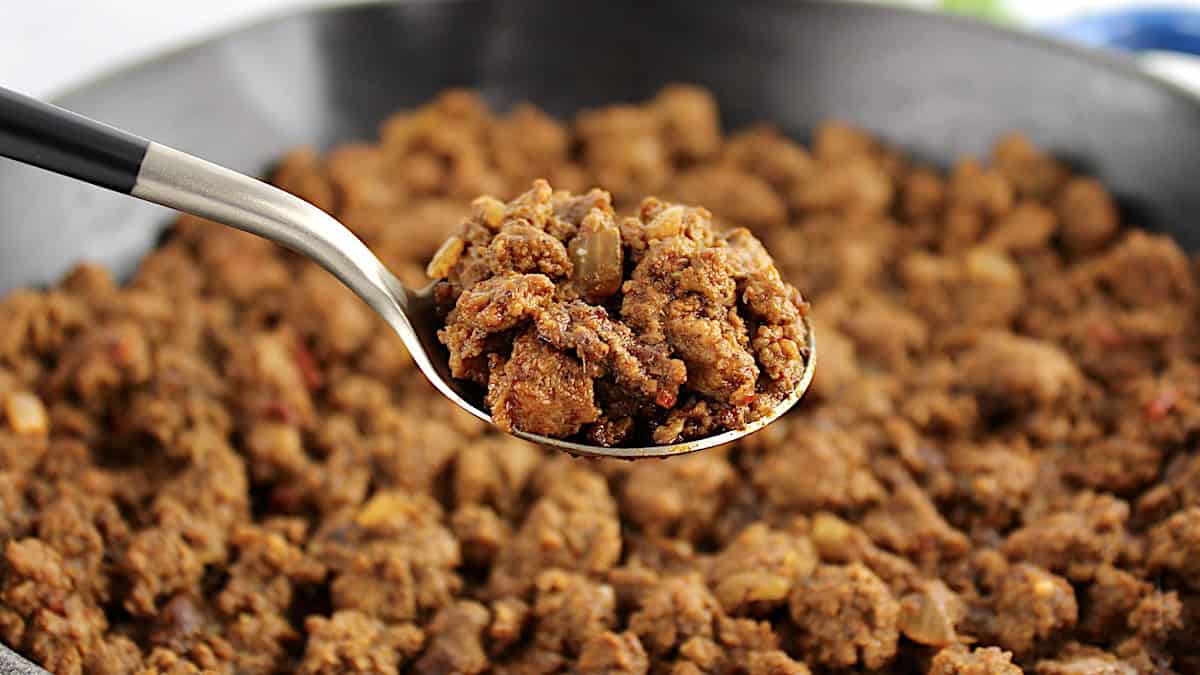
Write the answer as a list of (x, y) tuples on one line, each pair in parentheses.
[(446, 257), (26, 414), (596, 257)]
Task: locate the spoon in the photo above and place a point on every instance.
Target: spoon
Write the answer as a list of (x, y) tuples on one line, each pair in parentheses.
[(61, 141)]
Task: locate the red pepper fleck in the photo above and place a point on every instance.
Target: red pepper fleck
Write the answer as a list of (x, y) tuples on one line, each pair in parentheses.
[(307, 363), (55, 602), (287, 498), (1158, 407), (280, 412), (1106, 334), (120, 351), (665, 399)]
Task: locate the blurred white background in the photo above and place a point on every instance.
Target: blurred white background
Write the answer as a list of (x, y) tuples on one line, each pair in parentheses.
[(48, 45)]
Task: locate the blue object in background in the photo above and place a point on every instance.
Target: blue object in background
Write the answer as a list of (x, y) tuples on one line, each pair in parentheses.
[(1135, 30)]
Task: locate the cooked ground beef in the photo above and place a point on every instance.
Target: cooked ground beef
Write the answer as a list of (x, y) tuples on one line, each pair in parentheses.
[(228, 464), (656, 329)]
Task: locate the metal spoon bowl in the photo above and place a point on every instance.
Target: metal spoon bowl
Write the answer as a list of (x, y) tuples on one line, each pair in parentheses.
[(49, 137)]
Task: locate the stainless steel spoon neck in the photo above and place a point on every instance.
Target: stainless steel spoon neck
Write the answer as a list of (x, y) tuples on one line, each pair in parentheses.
[(193, 185)]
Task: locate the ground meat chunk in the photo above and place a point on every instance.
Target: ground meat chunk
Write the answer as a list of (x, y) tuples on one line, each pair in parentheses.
[(569, 610), (846, 616), (1032, 172), (959, 660), (15, 518), (28, 562), (883, 332), (1015, 370), (624, 150), (1157, 616), (909, 523), (689, 120), (1079, 659), (1111, 597), (1176, 491), (995, 480), (523, 249), (681, 497), (982, 287), (1174, 545), (39, 324), (765, 152), (261, 641), (102, 361), (393, 560), (612, 654), (456, 641), (923, 195), (611, 349), (1146, 270), (266, 572), (80, 527), (1117, 463), (757, 570), (527, 144), (837, 475), (351, 642), (539, 390), (495, 305), (854, 185), (494, 471), (839, 362), (741, 646), (1075, 541), (509, 616), (437, 150), (673, 611), (1025, 229), (1029, 605), (706, 336), (734, 196), (161, 562), (481, 532), (577, 531), (114, 656), (977, 188), (1088, 214), (270, 379)]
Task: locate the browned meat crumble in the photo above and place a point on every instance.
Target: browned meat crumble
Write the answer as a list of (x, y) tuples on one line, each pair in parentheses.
[(229, 465), (655, 327)]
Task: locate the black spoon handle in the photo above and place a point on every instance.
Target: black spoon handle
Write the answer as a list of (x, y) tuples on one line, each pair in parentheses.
[(61, 141)]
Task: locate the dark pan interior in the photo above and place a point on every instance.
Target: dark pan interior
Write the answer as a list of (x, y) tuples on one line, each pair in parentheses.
[(940, 87)]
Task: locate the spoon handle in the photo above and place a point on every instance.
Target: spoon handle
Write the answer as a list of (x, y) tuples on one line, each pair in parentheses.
[(61, 141), (64, 142)]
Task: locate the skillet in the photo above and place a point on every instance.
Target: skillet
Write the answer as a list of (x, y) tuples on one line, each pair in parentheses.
[(938, 86)]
